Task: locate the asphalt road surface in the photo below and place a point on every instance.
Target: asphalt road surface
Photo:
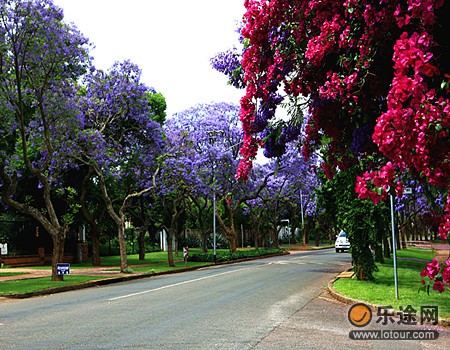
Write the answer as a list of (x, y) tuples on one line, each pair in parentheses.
[(273, 303)]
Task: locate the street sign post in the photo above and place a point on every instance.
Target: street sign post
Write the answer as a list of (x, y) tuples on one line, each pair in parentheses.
[(63, 269), (185, 253)]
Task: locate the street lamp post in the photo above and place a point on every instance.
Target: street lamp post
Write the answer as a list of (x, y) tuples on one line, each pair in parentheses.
[(301, 208), (212, 138), (394, 247), (407, 190), (214, 222)]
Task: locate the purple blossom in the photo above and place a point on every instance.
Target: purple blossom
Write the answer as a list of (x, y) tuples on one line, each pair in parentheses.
[(229, 63)]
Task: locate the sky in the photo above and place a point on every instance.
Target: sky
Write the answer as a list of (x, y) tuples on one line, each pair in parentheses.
[(171, 41)]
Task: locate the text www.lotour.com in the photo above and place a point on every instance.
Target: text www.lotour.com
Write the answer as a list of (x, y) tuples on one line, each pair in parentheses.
[(394, 335)]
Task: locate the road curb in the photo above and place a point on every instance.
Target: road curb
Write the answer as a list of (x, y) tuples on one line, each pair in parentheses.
[(444, 322)]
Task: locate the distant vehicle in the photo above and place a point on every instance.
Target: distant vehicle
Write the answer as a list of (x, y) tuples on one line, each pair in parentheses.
[(342, 242), (284, 231)]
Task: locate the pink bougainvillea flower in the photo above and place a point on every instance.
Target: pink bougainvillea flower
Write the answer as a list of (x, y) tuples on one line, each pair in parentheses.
[(439, 286), (431, 270), (446, 273)]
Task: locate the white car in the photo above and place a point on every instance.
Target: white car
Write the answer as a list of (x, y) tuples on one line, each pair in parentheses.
[(342, 242)]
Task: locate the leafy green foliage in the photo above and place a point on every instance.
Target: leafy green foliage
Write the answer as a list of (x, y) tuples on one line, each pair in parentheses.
[(158, 105), (69, 194), (361, 219)]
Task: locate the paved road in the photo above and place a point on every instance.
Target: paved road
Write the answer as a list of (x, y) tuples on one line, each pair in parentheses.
[(275, 303)]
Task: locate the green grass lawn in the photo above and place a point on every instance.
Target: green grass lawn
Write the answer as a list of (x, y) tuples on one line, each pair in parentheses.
[(164, 267), (36, 284), (132, 259), (381, 291)]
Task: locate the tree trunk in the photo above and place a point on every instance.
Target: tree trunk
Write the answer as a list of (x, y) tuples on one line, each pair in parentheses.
[(95, 240), (170, 235), (204, 239), (231, 237), (398, 243), (293, 239), (257, 235), (305, 230), (230, 232), (256, 238), (387, 250), (275, 235), (58, 254), (122, 247), (403, 236), (141, 243), (378, 246), (204, 235)]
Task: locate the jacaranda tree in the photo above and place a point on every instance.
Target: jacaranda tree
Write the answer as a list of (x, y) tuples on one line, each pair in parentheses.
[(120, 141), (41, 58), (212, 132)]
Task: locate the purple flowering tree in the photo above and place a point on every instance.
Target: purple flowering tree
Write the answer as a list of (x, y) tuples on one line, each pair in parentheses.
[(218, 147), (302, 185), (204, 141), (273, 197), (234, 195), (41, 57), (174, 182), (120, 140), (256, 214), (418, 212), (290, 190)]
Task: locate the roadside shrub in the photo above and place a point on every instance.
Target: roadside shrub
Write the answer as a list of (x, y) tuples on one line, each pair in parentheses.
[(229, 256)]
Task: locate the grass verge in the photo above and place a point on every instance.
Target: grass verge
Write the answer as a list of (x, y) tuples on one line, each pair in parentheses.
[(381, 291), (32, 285), (8, 274)]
